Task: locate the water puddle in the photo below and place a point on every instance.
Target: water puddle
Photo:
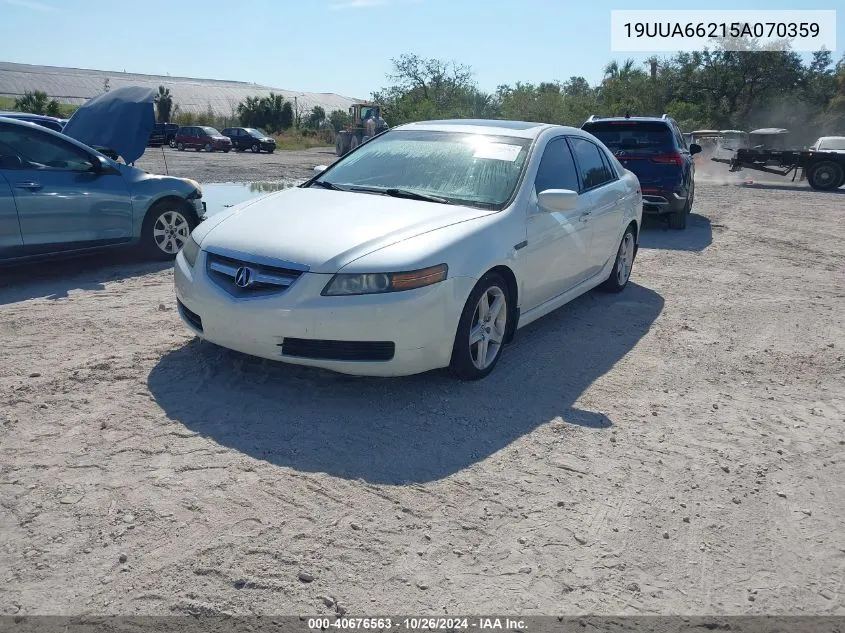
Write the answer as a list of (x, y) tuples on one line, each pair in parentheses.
[(222, 195)]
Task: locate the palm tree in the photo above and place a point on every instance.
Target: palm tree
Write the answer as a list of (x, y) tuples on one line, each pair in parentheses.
[(164, 104)]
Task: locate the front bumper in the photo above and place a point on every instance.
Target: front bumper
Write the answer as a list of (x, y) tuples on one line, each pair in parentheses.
[(199, 208), (420, 323)]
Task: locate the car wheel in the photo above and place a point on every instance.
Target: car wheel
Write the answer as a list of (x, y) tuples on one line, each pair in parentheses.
[(180, 147), (678, 219), (255, 149), (621, 272), (482, 329), (825, 176), (172, 143), (208, 147), (339, 145), (353, 142), (166, 229)]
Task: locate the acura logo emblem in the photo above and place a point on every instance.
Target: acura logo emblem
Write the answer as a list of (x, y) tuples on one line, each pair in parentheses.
[(243, 277)]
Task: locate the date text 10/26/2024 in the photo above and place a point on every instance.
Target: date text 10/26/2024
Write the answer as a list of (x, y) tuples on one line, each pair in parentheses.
[(416, 624)]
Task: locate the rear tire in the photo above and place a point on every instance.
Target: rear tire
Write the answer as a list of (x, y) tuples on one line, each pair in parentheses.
[(482, 329), (180, 147), (340, 144), (623, 265), (825, 176), (678, 219), (353, 142), (166, 228)]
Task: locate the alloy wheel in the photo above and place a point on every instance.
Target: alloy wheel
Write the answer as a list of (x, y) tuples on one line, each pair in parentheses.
[(626, 259), (487, 329), (171, 231)]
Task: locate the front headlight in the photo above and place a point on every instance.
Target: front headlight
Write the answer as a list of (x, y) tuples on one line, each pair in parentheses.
[(374, 283), (190, 251)]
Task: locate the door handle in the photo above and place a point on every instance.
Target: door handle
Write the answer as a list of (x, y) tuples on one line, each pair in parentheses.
[(586, 216), (30, 185)]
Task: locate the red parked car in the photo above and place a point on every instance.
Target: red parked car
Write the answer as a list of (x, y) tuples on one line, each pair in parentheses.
[(202, 137)]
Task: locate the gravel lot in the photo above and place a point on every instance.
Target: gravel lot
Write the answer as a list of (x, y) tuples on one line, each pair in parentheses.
[(236, 166), (674, 449)]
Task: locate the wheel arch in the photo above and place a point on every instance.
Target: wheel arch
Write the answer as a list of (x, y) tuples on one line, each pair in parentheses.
[(635, 227), (513, 294), (169, 197)]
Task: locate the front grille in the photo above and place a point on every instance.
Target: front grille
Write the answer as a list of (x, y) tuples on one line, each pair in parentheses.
[(191, 317), (258, 277), (338, 350)]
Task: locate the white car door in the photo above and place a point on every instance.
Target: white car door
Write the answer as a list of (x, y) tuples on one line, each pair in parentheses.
[(599, 183), (557, 256)]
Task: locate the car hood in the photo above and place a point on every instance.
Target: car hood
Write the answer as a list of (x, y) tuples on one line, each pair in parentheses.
[(121, 120), (325, 230), (133, 176)]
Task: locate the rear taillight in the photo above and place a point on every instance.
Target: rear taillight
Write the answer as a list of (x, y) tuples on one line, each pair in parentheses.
[(668, 159)]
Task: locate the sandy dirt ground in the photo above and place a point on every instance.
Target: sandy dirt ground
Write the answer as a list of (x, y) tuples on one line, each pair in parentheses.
[(676, 449), (236, 166)]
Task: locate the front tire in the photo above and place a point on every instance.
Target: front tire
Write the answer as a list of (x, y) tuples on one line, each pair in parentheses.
[(166, 228), (621, 272), (482, 329), (180, 147), (255, 149)]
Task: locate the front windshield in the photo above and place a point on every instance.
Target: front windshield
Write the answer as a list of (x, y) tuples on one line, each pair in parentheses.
[(462, 168), (832, 143), (255, 132), (211, 131)]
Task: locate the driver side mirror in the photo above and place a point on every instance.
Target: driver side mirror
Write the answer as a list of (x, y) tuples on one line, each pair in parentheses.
[(319, 169), (97, 164), (694, 149), (558, 200)]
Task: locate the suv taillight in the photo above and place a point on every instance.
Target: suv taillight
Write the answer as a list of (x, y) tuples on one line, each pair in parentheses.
[(668, 159)]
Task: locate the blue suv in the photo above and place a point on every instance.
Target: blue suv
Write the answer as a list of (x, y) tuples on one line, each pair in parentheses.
[(655, 150)]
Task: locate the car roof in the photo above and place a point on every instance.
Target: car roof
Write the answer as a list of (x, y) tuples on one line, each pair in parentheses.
[(29, 115), (41, 128), (769, 130), (633, 119), (831, 138), (517, 129)]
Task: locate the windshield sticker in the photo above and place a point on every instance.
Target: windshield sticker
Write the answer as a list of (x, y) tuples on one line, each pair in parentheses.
[(497, 151)]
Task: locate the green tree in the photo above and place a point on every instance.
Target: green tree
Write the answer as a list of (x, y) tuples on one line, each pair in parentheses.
[(316, 118), (431, 88), (37, 102), (164, 104), (286, 117), (339, 119)]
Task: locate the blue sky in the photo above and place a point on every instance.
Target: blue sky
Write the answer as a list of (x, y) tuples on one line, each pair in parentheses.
[(342, 46)]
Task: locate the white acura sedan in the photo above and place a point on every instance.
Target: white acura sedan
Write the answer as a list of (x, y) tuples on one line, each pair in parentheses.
[(426, 247)]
